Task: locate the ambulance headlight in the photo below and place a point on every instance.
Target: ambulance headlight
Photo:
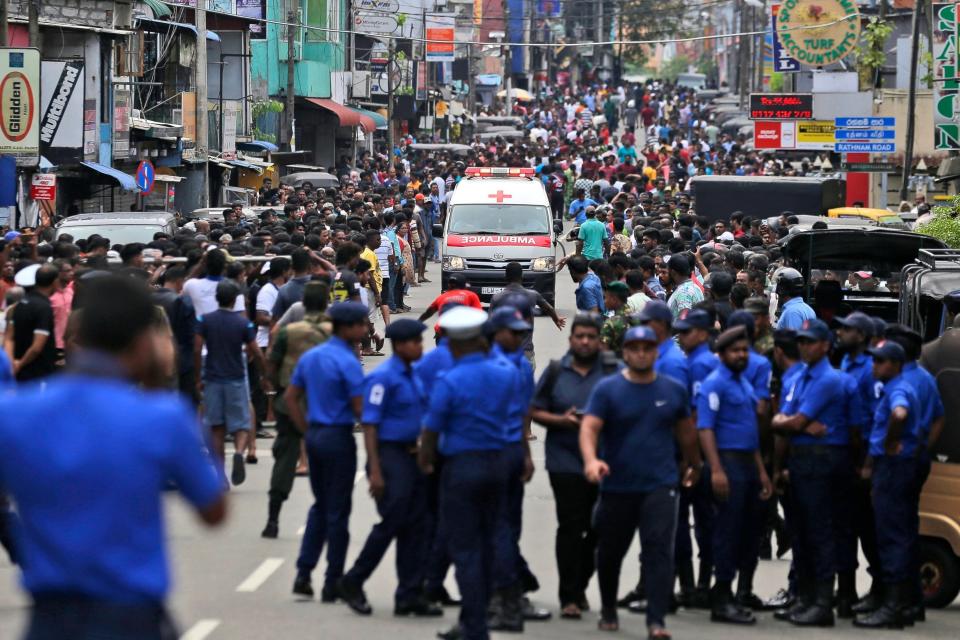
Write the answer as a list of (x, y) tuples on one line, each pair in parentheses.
[(453, 263), (542, 264)]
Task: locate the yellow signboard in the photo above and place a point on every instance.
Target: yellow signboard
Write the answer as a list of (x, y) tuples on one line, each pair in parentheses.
[(816, 135), (818, 32)]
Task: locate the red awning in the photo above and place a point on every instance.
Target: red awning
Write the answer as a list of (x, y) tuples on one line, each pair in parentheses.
[(347, 116)]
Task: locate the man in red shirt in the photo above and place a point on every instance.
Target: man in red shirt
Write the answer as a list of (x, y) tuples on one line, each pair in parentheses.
[(457, 293)]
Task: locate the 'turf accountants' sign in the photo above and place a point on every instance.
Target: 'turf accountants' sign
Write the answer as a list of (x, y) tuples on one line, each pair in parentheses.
[(818, 32), (19, 109)]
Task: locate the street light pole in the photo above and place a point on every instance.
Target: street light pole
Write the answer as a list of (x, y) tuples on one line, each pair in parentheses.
[(911, 102)]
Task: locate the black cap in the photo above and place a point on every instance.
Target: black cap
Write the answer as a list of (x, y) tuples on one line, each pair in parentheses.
[(405, 329), (731, 336)]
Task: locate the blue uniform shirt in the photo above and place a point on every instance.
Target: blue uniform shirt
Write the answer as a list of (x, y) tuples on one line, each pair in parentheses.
[(578, 209), (672, 363), (787, 379), (758, 373), (702, 363), (821, 393), (470, 404), (728, 405), (637, 440), (522, 395), (590, 294), (87, 482), (928, 395), (394, 401), (433, 364), (860, 368), (6, 371), (793, 313), (896, 393), (332, 376)]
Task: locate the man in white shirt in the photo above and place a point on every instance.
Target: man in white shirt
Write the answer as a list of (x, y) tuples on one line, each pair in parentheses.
[(203, 291), (279, 270)]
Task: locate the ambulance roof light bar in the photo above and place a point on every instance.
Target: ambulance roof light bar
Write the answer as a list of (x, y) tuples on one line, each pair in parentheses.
[(500, 172)]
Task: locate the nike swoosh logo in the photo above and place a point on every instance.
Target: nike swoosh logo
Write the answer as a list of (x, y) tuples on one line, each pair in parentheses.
[(660, 403)]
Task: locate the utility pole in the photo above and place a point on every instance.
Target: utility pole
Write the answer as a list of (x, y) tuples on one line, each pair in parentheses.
[(743, 56), (390, 88), (911, 102), (33, 18), (290, 121), (200, 73), (507, 61), (4, 14)]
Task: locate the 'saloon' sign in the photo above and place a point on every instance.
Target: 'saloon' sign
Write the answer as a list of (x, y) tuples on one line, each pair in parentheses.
[(19, 108)]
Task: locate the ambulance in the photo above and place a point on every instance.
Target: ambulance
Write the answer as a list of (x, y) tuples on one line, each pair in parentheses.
[(495, 216)]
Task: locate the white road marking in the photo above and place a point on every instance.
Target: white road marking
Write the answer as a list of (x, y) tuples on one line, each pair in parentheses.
[(256, 579), (201, 629)]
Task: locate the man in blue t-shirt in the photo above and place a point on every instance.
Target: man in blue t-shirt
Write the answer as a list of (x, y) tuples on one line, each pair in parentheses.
[(589, 293), (226, 395), (578, 206), (629, 435)]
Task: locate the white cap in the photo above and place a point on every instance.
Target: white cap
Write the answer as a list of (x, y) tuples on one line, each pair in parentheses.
[(27, 277), (265, 268), (726, 236), (463, 323)]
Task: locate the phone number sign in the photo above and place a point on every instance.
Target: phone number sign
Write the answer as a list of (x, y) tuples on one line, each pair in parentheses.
[(781, 106)]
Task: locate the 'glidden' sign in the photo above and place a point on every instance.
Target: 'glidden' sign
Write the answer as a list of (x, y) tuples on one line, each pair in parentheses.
[(818, 32), (19, 105)]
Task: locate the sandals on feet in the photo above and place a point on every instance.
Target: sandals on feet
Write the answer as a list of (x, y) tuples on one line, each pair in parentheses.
[(608, 621), (571, 612), (658, 633)]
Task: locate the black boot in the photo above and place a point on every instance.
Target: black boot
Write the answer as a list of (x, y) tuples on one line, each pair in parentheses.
[(508, 615), (820, 613), (636, 595), (872, 601), (846, 594), (684, 596), (353, 595), (746, 598), (724, 610), (701, 596), (302, 586), (273, 519), (888, 616)]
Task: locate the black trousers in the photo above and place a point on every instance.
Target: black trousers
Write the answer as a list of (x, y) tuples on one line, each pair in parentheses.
[(576, 542), (77, 617)]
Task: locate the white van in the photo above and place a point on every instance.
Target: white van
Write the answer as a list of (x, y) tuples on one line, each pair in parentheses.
[(495, 216)]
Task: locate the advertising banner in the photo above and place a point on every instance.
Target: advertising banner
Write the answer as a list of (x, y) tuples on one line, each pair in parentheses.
[(782, 62), (20, 105), (61, 111), (440, 38), (946, 86)]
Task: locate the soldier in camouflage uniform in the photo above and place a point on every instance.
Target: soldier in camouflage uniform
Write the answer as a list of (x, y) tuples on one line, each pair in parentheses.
[(615, 326), (291, 342), (760, 308)]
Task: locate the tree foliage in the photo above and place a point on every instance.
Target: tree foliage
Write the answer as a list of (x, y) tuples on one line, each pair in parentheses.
[(945, 225), (652, 20)]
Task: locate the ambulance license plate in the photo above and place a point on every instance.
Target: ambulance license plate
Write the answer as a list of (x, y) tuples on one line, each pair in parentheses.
[(490, 291)]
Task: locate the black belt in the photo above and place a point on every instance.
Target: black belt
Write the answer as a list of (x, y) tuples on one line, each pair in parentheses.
[(817, 449), (327, 425), (738, 454), (407, 447)]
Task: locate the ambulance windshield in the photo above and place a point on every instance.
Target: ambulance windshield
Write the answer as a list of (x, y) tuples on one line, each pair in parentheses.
[(506, 219)]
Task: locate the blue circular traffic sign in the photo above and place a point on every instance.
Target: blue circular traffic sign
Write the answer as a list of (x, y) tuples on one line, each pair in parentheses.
[(146, 175)]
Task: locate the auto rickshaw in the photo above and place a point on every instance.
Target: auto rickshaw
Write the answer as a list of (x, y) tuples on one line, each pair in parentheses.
[(934, 274), (879, 217)]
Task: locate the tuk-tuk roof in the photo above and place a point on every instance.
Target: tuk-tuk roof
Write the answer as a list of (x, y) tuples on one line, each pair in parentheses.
[(884, 250), (316, 178), (863, 212)]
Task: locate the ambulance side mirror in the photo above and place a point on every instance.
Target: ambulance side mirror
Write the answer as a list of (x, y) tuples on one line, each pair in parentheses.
[(437, 231), (557, 227)]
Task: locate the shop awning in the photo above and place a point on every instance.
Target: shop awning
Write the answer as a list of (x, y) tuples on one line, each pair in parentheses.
[(126, 180), (163, 25), (348, 117), (378, 119), (257, 146), (243, 164), (159, 9), (158, 130)]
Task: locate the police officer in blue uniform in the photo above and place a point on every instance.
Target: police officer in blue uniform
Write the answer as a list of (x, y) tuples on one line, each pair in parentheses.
[(931, 421), (727, 409), (896, 440), (794, 311), (393, 407), (507, 329), (331, 378), (693, 331), (468, 409), (428, 369), (88, 483), (816, 414), (853, 339), (670, 362), (636, 420)]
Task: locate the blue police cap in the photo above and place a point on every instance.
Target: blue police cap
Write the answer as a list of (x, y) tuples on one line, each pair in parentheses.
[(405, 329), (815, 329), (640, 334), (656, 311), (888, 350), (730, 337), (507, 317), (347, 312), (879, 325), (694, 319), (860, 321), (741, 318)]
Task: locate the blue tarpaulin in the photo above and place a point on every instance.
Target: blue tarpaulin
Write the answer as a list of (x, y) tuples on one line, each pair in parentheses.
[(126, 180)]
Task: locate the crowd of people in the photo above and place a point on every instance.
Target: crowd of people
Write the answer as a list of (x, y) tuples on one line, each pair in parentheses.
[(697, 381)]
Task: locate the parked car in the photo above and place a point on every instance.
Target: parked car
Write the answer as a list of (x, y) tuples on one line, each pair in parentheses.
[(119, 227)]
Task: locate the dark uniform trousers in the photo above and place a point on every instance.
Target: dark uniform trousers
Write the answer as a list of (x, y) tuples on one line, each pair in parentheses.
[(332, 455), (286, 454), (507, 564), (863, 524), (699, 498), (923, 472), (471, 491), (78, 617), (895, 496), (820, 486), (402, 509), (438, 557), (739, 519), (576, 543), (618, 517)]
